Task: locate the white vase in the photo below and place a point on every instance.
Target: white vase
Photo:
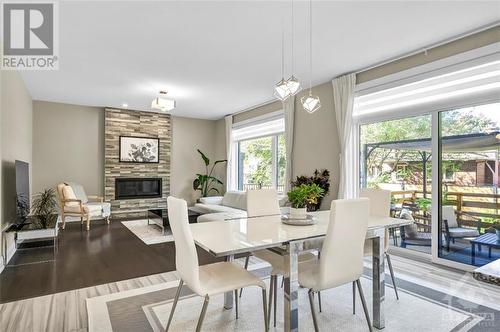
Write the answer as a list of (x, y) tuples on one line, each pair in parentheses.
[(298, 213)]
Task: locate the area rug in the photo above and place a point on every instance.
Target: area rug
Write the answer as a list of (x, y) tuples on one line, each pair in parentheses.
[(419, 309), (149, 234)]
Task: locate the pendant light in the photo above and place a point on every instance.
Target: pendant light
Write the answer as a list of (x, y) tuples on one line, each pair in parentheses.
[(281, 89), (310, 102), (293, 83)]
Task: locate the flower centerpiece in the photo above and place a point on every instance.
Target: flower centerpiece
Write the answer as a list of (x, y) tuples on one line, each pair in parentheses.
[(300, 196)]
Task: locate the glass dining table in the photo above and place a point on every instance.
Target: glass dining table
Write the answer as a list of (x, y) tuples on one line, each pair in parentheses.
[(238, 236)]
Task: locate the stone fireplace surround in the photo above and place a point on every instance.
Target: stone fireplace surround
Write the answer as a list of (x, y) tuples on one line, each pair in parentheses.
[(118, 123)]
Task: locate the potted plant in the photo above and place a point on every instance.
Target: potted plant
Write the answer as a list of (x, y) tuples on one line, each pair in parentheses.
[(45, 205), (322, 179), (205, 182), (496, 227), (302, 195)]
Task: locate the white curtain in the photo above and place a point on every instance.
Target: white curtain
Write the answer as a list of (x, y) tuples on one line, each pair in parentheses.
[(289, 112), (343, 102), (230, 171)]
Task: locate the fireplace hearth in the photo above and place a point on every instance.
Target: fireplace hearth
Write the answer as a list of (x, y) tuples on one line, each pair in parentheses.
[(136, 188)]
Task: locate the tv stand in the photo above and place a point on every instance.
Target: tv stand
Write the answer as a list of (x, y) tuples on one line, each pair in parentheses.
[(35, 229)]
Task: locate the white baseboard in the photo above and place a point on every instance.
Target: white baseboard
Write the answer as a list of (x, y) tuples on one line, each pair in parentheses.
[(8, 255)]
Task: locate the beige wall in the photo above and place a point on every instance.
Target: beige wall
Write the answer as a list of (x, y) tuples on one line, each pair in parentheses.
[(316, 140), (257, 111), (68, 145), (16, 140), (187, 136)]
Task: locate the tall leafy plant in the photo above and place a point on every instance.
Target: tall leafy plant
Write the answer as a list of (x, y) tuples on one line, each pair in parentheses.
[(44, 204), (205, 182)]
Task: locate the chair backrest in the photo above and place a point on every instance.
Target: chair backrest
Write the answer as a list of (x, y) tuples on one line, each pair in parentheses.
[(448, 213), (60, 195), (186, 258), (262, 202), (342, 253), (380, 206), (380, 201)]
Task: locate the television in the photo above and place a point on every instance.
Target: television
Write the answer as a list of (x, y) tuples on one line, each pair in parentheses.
[(22, 191)]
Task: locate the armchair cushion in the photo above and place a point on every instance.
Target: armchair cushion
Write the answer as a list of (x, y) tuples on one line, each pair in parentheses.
[(70, 194), (411, 231), (448, 213), (463, 232), (79, 191)]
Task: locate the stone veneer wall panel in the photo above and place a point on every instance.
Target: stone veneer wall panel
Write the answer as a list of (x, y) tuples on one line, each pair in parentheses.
[(135, 123)]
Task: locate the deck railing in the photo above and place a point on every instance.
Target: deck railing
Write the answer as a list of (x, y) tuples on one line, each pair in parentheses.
[(481, 205)]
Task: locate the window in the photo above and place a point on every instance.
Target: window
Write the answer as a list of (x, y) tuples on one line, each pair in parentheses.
[(260, 158), (433, 139)]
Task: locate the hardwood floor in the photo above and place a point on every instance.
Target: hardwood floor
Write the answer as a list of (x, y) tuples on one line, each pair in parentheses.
[(107, 253)]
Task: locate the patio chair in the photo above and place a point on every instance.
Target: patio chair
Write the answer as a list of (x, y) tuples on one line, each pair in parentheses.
[(413, 234), (455, 225)]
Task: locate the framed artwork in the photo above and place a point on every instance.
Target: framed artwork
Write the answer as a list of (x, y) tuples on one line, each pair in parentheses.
[(135, 149)]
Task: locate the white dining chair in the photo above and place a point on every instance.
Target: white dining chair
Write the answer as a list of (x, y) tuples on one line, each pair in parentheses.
[(380, 206), (264, 202), (205, 280), (342, 254)]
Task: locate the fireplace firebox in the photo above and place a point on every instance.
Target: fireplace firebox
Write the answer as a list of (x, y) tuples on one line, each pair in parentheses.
[(135, 188)]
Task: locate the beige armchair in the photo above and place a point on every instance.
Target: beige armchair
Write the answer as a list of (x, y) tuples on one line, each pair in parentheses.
[(85, 207)]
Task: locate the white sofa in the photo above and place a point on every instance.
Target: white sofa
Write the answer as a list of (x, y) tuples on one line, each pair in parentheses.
[(230, 206)]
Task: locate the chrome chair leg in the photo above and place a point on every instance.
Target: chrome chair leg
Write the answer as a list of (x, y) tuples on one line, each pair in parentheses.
[(313, 312), (392, 274), (264, 307), (247, 259), (353, 297), (236, 300), (271, 288), (202, 314), (174, 304), (319, 301), (275, 298), (363, 302)]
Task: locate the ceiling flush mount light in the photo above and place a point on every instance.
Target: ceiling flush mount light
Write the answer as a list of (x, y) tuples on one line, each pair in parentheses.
[(309, 102), (293, 83), (163, 104)]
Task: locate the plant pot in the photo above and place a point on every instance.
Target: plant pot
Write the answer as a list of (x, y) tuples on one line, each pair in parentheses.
[(298, 213)]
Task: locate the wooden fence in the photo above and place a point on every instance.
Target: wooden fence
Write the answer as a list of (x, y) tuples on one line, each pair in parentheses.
[(483, 206)]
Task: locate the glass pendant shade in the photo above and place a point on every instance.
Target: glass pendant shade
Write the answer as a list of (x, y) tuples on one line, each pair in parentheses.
[(281, 90), (293, 85), (311, 103)]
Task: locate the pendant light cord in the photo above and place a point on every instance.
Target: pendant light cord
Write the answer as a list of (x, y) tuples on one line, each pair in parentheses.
[(293, 62), (282, 48), (310, 47)]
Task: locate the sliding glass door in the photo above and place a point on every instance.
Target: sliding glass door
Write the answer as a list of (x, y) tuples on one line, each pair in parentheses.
[(396, 156), (469, 143)]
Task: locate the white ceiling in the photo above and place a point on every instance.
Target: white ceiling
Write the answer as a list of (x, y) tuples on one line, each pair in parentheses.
[(217, 58)]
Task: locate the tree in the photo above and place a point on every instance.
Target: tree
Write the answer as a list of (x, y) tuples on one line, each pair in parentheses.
[(454, 122)]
